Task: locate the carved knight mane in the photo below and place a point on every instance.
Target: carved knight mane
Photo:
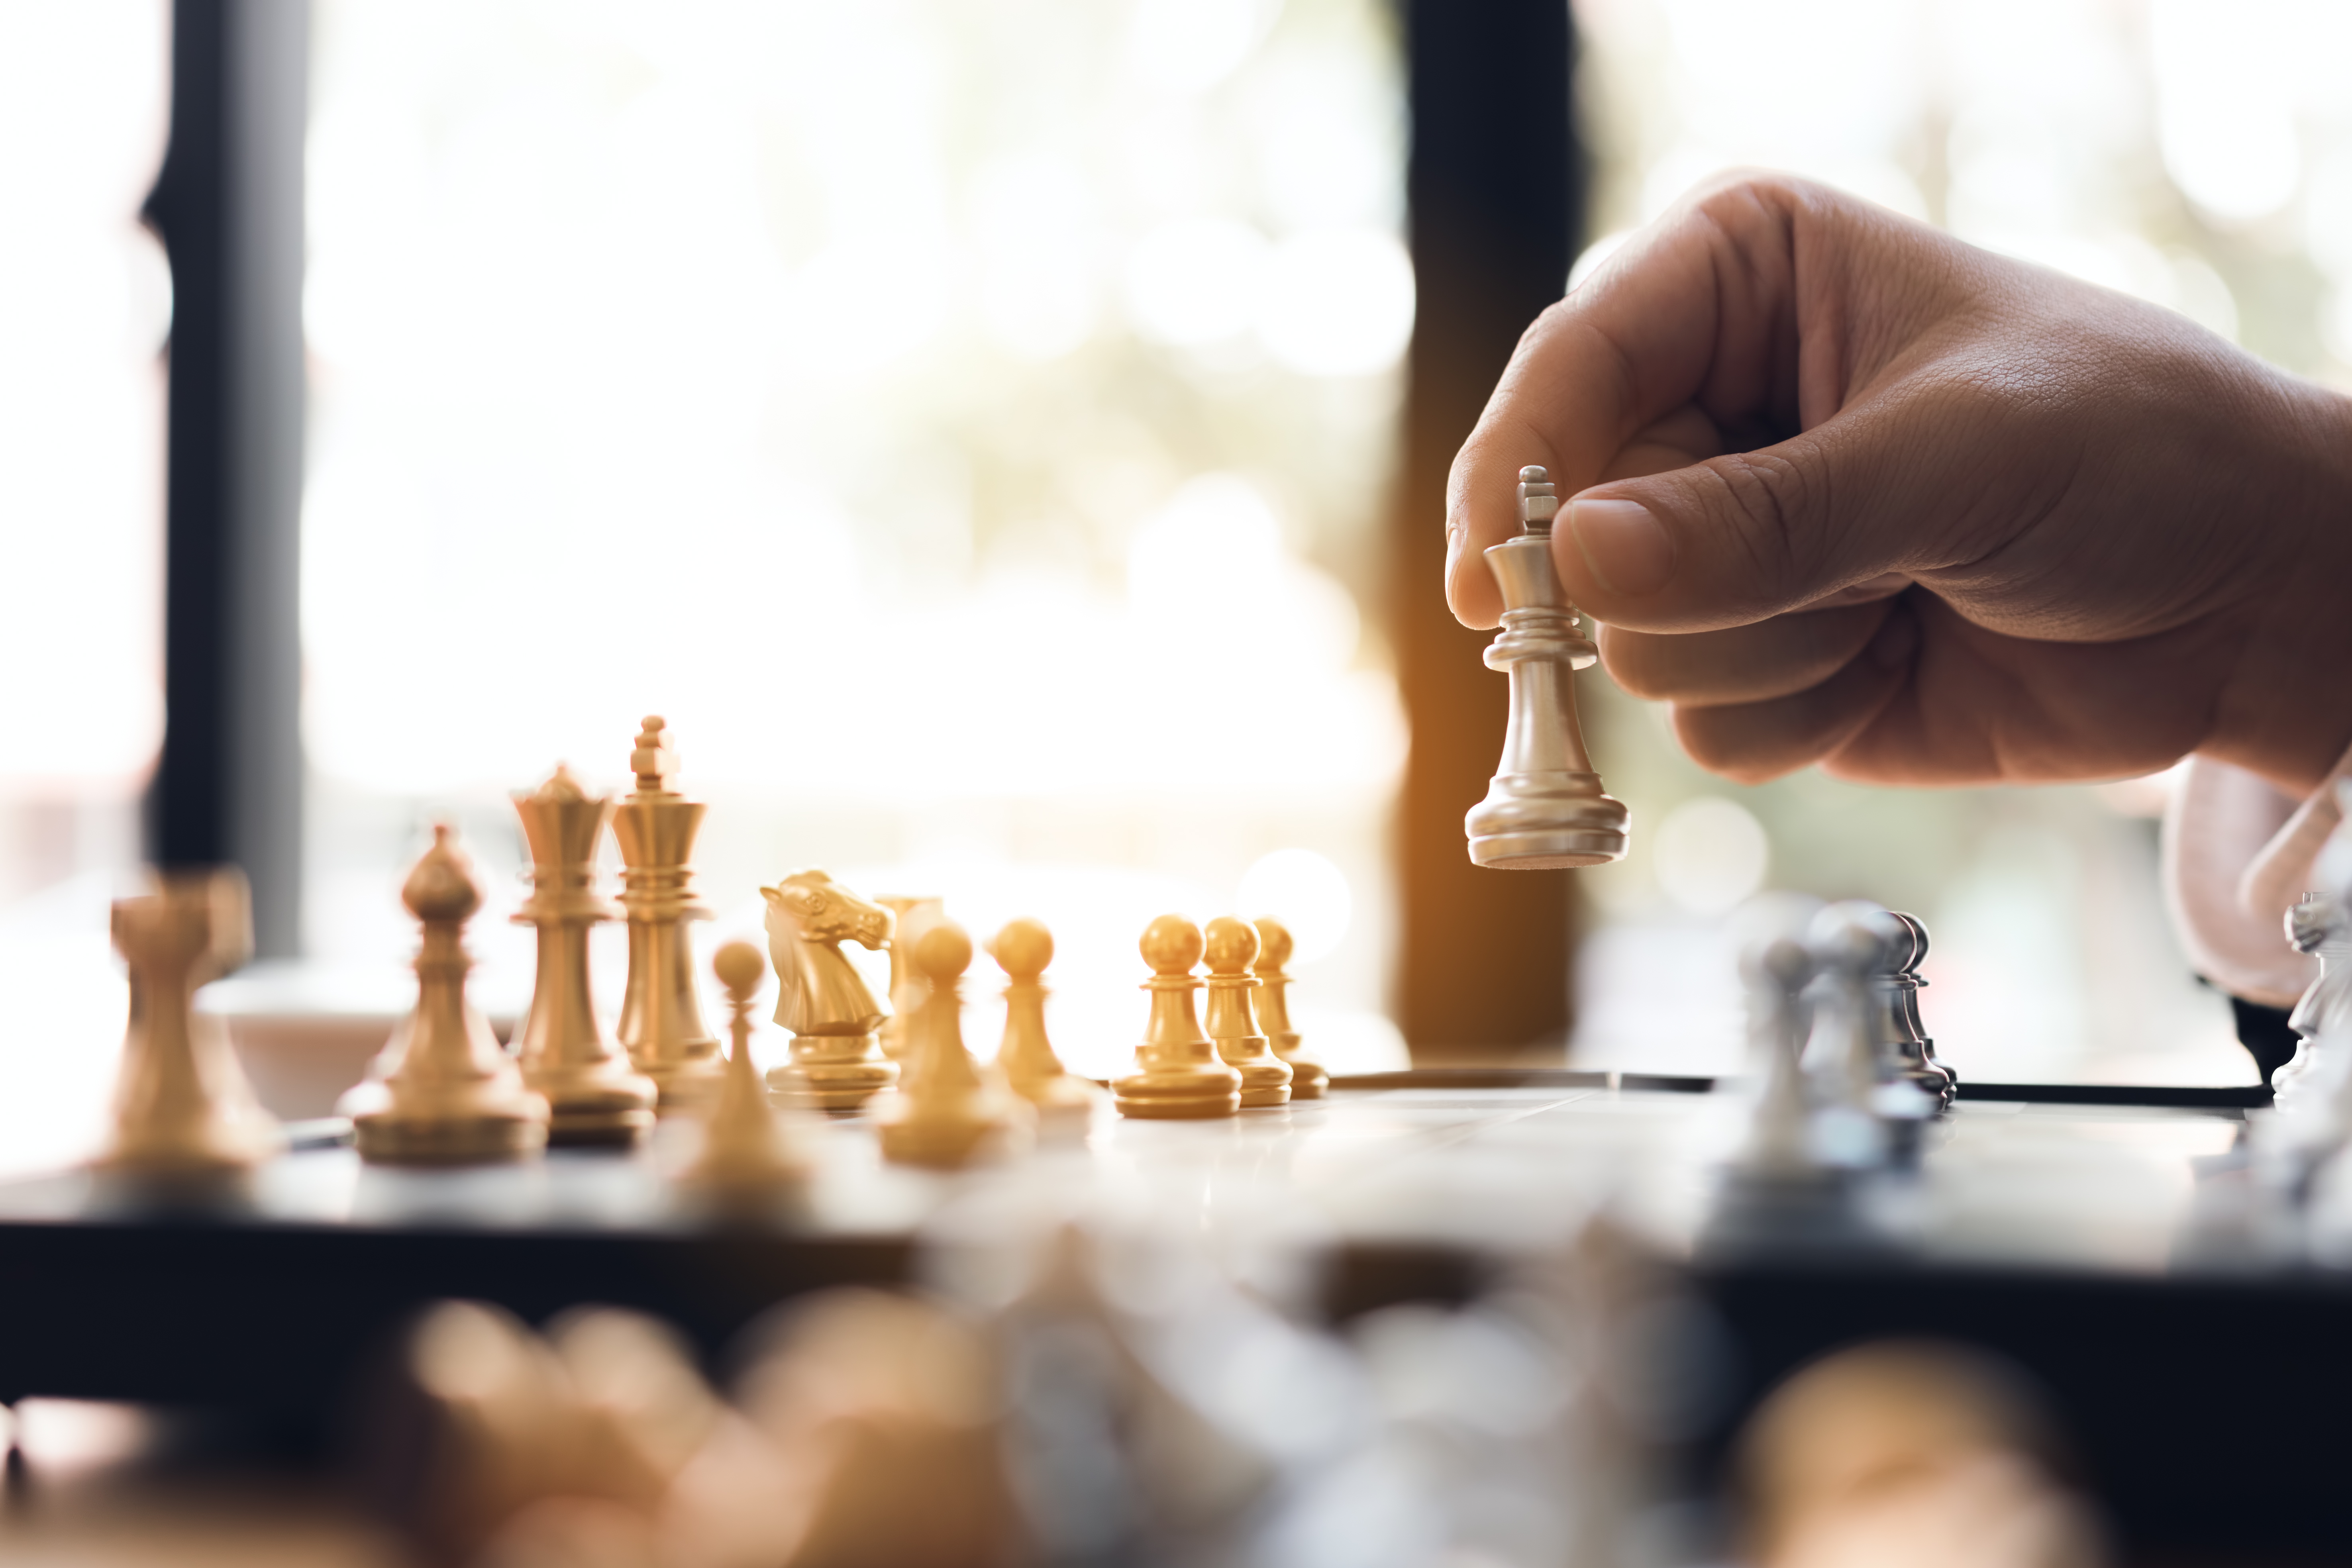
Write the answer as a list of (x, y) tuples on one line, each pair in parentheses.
[(809, 917)]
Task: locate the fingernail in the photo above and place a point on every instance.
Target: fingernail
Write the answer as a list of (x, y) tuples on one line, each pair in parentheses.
[(1626, 549)]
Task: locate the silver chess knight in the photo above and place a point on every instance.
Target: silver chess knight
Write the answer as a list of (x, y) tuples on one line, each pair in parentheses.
[(1544, 808)]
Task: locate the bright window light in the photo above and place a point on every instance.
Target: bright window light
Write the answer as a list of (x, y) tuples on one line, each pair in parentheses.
[(965, 425)]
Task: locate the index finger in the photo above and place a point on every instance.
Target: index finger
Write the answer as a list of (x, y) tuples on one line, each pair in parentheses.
[(1691, 311)]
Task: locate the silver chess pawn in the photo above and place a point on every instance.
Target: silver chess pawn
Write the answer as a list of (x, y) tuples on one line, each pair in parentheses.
[(2313, 1090), (1793, 1177), (1778, 1143), (1869, 1057), (1850, 944), (2317, 926), (1903, 1042), (1544, 808)]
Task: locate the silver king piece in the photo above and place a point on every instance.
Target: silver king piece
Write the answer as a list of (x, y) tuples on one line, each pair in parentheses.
[(1544, 808)]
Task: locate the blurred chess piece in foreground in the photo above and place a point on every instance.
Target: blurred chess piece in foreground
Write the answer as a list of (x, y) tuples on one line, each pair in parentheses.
[(1231, 947), (593, 1095), (444, 1091), (661, 1024), (1179, 1075), (182, 1108), (642, 1408), (883, 1411), (748, 1151), (1545, 807), (867, 1437), (1023, 948), (1909, 1455), (838, 1062), (953, 1111), (1308, 1077), (477, 1421), (490, 1444)]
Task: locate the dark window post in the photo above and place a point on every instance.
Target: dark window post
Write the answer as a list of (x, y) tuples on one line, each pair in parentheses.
[(1495, 185), (228, 205)]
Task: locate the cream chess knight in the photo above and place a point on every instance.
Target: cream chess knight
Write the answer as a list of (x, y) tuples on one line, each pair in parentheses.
[(1544, 808)]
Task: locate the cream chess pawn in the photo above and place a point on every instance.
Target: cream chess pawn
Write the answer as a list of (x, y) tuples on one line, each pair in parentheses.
[(1545, 807), (1179, 1075), (838, 1062), (450, 1094), (661, 1024), (747, 1149), (1023, 948), (911, 915), (952, 1110), (1308, 1077), (1231, 947), (594, 1096), (182, 1108)]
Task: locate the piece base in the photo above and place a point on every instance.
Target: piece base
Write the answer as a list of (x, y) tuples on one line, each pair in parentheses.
[(839, 1099), (834, 1073), (737, 1177), (598, 1129), (1547, 821), (1560, 851), (1151, 1109), (1308, 1080), (466, 1141), (687, 1085), (223, 1146), (938, 1145)]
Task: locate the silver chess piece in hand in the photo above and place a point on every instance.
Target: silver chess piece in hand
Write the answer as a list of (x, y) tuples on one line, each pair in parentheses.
[(1545, 807)]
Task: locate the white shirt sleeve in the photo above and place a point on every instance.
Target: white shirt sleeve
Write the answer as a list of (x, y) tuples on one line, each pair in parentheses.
[(2238, 853)]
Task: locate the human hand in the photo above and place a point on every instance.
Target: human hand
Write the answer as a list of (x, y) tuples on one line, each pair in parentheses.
[(1847, 490)]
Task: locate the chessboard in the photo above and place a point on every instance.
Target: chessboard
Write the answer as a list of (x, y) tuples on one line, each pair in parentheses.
[(2104, 1247), (1225, 1236)]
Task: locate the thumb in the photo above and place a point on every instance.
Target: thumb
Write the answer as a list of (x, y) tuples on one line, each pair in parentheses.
[(1734, 539)]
